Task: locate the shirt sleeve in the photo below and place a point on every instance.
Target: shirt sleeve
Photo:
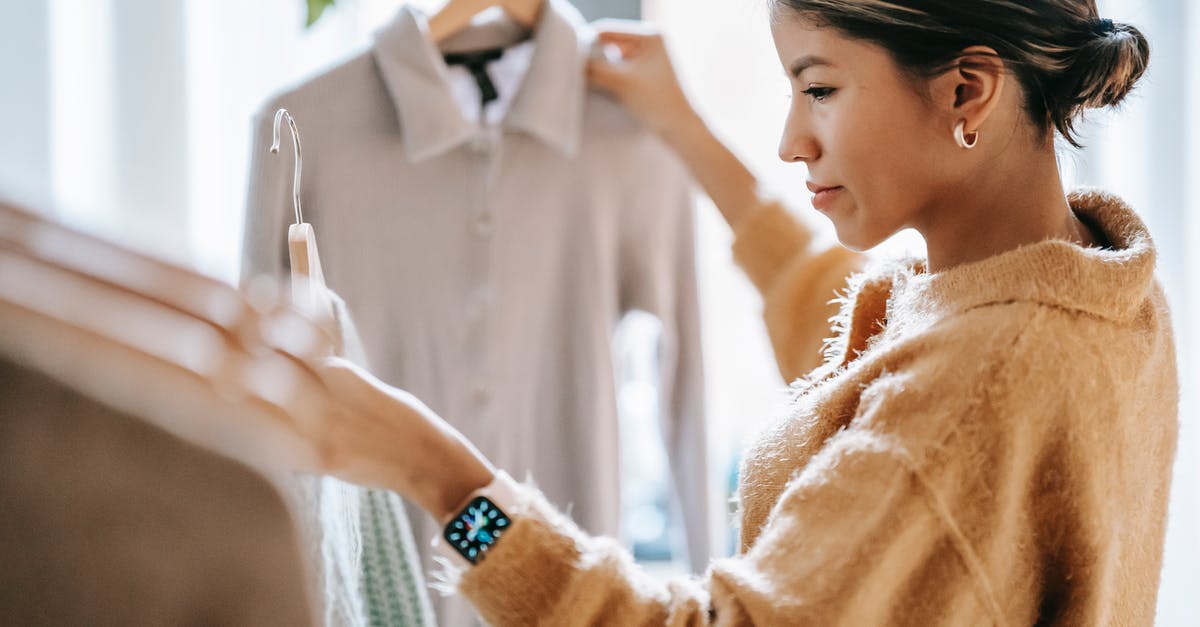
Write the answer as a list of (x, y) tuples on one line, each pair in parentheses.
[(659, 277), (853, 540), (799, 283), (268, 204)]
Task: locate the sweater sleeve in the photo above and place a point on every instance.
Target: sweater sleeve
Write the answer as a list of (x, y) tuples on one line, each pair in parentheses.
[(853, 540), (798, 283)]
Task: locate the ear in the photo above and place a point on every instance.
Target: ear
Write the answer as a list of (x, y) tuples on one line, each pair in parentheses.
[(971, 88)]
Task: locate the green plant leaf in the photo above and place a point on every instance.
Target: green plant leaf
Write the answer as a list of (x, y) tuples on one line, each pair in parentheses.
[(315, 9)]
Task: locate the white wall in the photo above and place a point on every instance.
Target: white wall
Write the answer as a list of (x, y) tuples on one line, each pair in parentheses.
[(25, 123)]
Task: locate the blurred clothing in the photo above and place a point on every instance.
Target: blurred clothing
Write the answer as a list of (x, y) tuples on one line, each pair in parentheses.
[(106, 519)]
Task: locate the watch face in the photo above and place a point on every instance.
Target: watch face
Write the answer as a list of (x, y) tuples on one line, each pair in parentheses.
[(476, 528)]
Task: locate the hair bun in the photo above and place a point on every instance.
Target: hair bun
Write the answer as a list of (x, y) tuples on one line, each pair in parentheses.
[(1103, 27), (1109, 60), (1108, 65)]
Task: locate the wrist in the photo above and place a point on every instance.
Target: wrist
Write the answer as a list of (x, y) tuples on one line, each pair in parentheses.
[(456, 489), (684, 129)]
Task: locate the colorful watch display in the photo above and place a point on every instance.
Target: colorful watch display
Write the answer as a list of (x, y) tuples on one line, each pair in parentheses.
[(476, 528)]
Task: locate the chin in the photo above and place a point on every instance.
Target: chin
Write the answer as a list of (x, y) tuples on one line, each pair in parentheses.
[(856, 239), (859, 231)]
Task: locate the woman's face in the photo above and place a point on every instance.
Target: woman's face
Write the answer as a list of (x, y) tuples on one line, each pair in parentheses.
[(859, 124)]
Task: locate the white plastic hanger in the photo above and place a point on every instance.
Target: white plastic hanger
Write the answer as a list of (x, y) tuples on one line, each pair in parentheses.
[(308, 281), (456, 15)]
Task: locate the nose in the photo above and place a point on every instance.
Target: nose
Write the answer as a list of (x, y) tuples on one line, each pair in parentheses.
[(798, 145)]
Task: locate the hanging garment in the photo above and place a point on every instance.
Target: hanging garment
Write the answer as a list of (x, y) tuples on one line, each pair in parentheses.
[(392, 584), (361, 549), (359, 539), (487, 264)]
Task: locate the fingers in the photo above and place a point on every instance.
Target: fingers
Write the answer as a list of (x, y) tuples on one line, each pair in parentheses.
[(629, 36), (605, 75), (626, 49), (629, 42)]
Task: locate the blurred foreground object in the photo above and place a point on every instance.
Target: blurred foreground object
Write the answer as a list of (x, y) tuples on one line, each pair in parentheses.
[(144, 407), (108, 520)]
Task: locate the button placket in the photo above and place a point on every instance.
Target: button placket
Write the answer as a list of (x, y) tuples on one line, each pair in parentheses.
[(485, 141), (479, 302), (485, 147), (485, 144)]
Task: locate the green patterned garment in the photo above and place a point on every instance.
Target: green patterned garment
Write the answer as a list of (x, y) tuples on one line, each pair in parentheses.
[(393, 588), (369, 570)]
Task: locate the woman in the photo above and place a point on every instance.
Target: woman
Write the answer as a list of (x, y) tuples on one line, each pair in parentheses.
[(990, 437)]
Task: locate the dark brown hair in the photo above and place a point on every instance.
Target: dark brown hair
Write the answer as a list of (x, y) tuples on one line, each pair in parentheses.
[(1065, 57)]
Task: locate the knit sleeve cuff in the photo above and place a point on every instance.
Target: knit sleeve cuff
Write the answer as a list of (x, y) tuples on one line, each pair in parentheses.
[(523, 575), (766, 241)]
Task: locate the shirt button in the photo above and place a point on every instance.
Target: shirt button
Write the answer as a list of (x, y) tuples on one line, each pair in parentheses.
[(481, 393), (478, 303), (484, 224)]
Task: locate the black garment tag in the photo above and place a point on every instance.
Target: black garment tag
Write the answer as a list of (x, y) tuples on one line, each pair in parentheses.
[(476, 63)]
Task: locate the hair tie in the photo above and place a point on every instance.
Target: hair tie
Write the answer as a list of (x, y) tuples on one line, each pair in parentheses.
[(1103, 27)]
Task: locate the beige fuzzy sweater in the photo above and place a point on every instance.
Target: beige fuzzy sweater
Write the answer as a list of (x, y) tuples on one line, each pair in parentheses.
[(989, 445)]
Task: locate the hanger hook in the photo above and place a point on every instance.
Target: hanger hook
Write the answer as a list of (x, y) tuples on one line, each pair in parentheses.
[(280, 115)]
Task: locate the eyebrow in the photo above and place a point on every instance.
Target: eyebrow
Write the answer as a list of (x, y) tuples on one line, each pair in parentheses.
[(805, 62)]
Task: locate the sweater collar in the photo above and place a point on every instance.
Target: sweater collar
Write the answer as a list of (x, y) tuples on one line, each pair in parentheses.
[(548, 104), (1108, 283)]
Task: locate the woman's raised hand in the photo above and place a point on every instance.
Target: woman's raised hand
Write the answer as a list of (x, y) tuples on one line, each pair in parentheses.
[(644, 78)]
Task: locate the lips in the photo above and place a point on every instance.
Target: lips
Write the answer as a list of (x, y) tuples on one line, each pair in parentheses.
[(817, 189), (824, 196)]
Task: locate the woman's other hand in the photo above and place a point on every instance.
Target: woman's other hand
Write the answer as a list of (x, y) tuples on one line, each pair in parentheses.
[(644, 78), (376, 435)]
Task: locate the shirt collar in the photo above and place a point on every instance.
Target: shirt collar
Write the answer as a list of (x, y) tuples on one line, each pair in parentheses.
[(548, 105)]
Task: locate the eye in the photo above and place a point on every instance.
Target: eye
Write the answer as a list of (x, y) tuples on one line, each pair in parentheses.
[(819, 94)]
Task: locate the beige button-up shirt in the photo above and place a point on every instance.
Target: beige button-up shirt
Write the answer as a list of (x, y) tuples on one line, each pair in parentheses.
[(487, 264)]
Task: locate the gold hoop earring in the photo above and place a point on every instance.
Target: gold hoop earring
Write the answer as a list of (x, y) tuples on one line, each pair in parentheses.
[(960, 136)]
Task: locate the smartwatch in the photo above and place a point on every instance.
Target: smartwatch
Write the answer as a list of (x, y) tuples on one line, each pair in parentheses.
[(480, 523)]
